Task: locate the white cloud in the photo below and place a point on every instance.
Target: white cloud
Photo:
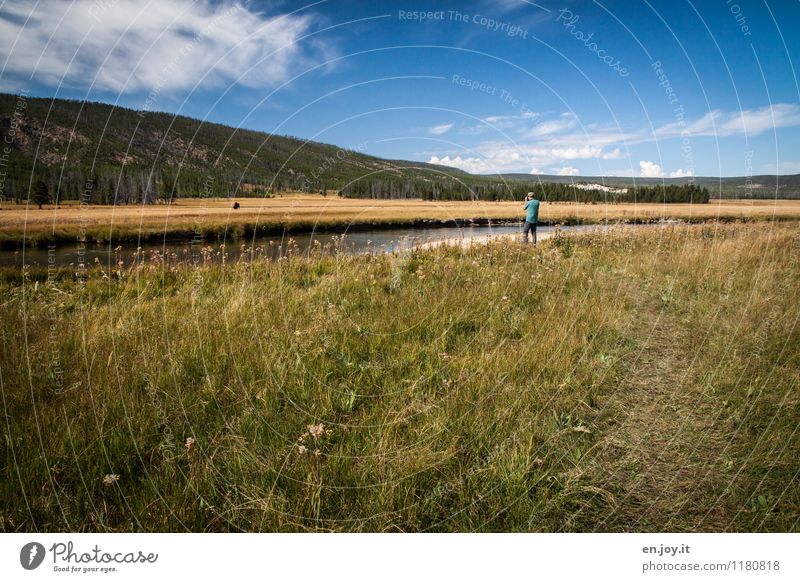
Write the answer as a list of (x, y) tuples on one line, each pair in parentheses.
[(472, 165), (499, 118), (127, 45), (567, 171), (555, 141), (721, 124), (782, 168), (650, 170), (441, 129), (502, 156), (535, 171), (574, 153), (553, 126), (515, 123)]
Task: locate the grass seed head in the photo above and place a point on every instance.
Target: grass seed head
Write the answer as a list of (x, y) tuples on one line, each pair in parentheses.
[(110, 479)]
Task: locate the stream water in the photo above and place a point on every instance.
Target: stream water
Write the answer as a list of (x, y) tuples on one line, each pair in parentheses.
[(362, 241)]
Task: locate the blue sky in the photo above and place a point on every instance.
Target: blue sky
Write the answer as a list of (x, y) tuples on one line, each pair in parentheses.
[(651, 88)]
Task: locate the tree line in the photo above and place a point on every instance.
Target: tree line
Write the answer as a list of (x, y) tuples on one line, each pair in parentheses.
[(136, 185), (452, 190), (110, 186)]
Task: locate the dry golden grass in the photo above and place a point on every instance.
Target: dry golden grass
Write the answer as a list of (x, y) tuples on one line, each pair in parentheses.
[(309, 211), (631, 380)]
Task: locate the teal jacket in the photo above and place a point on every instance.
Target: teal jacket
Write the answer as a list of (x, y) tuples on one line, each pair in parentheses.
[(532, 211)]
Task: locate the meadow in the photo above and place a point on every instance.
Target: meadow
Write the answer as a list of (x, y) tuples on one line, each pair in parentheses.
[(214, 218), (638, 380)]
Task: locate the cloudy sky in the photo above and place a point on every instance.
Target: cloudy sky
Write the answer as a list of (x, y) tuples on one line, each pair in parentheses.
[(651, 88)]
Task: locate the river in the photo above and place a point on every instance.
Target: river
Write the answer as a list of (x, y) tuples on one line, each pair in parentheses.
[(355, 242)]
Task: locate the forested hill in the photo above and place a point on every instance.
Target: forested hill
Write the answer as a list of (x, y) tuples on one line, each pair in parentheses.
[(126, 156)]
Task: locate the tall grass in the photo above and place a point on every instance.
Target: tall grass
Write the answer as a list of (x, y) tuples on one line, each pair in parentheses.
[(635, 380)]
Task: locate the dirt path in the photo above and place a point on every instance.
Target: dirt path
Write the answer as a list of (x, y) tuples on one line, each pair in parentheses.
[(661, 462)]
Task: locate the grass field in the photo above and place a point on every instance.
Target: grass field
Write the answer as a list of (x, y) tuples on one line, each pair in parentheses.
[(215, 217), (639, 380)]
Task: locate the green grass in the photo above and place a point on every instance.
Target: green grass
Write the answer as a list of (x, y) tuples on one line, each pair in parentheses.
[(637, 381)]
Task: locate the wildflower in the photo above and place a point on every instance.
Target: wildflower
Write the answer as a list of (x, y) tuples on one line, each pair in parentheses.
[(110, 479), (190, 441), (302, 449), (316, 430)]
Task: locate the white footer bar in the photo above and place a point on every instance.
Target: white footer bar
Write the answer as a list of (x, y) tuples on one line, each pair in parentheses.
[(353, 557)]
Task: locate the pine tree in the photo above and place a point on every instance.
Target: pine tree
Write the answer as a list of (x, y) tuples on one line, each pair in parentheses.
[(40, 193)]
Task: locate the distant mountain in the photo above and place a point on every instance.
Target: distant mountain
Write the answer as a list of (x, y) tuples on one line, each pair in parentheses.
[(761, 186), (105, 154)]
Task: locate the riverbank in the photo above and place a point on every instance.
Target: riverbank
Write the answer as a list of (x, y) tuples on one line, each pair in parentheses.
[(215, 219), (631, 380), (484, 239)]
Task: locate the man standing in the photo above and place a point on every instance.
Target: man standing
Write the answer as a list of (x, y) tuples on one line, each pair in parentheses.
[(531, 218)]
